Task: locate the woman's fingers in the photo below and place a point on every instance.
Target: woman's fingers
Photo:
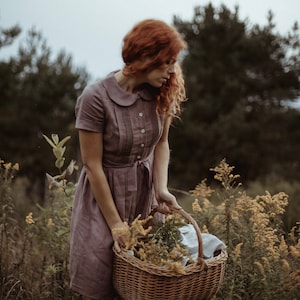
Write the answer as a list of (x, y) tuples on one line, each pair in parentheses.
[(163, 208), (120, 236), (117, 246)]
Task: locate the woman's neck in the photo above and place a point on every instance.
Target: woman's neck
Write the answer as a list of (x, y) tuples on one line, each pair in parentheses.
[(129, 83)]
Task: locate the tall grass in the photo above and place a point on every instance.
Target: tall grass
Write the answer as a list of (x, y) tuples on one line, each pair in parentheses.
[(263, 263)]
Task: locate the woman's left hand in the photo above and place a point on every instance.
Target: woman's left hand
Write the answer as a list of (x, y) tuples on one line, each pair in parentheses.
[(167, 201)]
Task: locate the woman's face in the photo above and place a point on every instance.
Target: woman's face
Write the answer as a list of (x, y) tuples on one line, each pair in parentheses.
[(161, 75)]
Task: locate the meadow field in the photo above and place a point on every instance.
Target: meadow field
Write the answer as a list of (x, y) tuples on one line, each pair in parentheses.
[(264, 256)]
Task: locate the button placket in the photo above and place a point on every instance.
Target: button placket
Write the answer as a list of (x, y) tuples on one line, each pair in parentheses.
[(143, 131)]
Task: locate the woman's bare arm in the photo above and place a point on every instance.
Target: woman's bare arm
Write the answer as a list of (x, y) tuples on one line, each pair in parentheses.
[(160, 171), (91, 147)]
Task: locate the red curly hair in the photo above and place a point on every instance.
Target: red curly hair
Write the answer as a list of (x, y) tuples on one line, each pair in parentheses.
[(148, 46)]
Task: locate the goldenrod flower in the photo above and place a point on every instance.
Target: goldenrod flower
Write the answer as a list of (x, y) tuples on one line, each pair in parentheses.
[(204, 229), (283, 248), (237, 250), (50, 223), (202, 190), (159, 247), (285, 265), (295, 253), (16, 167), (175, 266), (7, 166), (29, 219), (266, 262), (260, 267)]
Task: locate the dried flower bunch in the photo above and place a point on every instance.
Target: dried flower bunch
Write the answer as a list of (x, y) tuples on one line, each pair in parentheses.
[(159, 244)]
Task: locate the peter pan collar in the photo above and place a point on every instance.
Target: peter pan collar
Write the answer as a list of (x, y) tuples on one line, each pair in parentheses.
[(120, 96)]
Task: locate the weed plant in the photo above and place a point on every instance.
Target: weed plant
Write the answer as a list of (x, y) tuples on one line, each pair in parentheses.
[(264, 261)]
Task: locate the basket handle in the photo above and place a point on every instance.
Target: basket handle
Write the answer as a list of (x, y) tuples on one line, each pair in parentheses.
[(192, 221)]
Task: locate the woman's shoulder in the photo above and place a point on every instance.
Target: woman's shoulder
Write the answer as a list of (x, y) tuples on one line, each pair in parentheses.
[(95, 91), (94, 88)]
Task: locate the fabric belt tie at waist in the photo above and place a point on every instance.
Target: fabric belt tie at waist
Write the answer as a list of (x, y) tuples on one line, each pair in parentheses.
[(132, 180)]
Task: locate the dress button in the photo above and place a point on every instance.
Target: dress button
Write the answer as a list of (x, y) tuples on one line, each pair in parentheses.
[(138, 157), (143, 130), (143, 145), (141, 114)]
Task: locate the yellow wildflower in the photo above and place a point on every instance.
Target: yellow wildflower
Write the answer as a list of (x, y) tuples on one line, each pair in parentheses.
[(16, 167), (50, 223), (29, 219), (237, 250), (204, 229), (266, 262), (295, 253), (141, 254), (285, 265), (260, 267), (273, 253), (196, 207), (175, 266), (154, 246), (7, 166), (283, 248), (207, 204), (202, 190)]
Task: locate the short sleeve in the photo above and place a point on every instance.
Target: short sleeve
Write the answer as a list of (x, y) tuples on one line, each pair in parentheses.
[(89, 110)]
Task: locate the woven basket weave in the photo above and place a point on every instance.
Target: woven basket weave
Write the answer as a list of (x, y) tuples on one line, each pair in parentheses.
[(135, 279)]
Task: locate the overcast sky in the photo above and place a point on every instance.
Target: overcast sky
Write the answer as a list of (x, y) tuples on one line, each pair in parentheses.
[(92, 30)]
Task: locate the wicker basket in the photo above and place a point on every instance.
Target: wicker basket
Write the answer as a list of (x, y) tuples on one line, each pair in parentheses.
[(135, 279)]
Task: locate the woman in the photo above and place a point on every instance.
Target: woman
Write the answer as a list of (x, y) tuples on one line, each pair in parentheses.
[(123, 124)]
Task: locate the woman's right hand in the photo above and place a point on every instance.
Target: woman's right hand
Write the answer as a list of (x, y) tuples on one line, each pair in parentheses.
[(121, 235)]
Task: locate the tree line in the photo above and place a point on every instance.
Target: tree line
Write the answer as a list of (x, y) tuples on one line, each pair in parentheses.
[(241, 82)]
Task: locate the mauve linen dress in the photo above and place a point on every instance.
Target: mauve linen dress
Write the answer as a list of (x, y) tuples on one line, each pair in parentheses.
[(131, 129)]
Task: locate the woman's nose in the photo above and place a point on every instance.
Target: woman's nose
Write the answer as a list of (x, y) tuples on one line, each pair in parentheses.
[(171, 69)]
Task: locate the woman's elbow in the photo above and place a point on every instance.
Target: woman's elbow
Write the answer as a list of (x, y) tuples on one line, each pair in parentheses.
[(92, 167)]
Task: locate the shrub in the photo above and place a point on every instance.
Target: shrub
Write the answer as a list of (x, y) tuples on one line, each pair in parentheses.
[(264, 261)]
